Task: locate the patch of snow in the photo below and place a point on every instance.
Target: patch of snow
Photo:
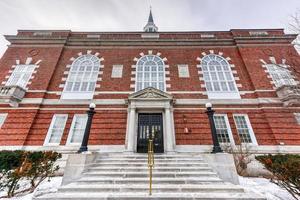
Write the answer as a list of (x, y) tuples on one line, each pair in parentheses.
[(265, 188), (44, 188)]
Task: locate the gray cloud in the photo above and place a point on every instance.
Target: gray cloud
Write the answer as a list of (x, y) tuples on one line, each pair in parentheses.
[(131, 15)]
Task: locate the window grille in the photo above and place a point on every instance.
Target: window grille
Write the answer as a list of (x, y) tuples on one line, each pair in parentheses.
[(150, 73)]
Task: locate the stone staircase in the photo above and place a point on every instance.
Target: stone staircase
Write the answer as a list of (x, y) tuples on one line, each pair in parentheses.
[(125, 176)]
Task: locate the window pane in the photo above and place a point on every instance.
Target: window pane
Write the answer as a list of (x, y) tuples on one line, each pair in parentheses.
[(216, 86), (219, 73), (83, 74), (148, 75), (21, 75), (243, 129), (92, 86), (78, 128), (208, 86), (222, 129), (57, 128), (280, 75)]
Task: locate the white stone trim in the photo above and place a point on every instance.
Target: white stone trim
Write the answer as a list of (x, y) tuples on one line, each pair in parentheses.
[(28, 60), (261, 149)]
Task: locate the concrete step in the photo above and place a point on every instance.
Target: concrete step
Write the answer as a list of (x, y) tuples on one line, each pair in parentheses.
[(145, 180), (146, 158), (138, 155), (146, 169), (157, 188), (143, 174), (145, 196), (145, 164)]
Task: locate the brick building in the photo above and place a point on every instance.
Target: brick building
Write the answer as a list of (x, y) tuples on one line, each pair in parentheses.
[(150, 80)]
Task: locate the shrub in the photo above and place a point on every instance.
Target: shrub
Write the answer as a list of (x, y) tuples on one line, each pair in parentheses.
[(285, 170), (32, 166)]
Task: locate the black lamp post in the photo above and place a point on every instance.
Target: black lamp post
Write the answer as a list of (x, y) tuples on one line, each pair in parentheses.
[(210, 113), (86, 135)]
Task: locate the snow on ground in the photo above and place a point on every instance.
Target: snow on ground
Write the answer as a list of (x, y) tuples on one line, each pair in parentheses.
[(44, 188), (264, 187), (257, 185)]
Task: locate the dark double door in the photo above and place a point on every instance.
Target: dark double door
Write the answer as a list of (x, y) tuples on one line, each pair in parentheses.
[(147, 124)]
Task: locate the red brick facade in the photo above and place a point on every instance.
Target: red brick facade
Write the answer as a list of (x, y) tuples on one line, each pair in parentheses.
[(27, 124)]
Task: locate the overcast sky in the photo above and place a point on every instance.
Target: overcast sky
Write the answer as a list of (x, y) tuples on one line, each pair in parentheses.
[(131, 15)]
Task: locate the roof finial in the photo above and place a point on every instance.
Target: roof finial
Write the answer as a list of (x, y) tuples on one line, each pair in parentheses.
[(150, 26)]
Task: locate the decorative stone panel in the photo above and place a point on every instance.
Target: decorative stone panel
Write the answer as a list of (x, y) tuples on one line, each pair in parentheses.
[(289, 95)]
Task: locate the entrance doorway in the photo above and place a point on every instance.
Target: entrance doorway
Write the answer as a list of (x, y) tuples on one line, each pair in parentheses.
[(148, 123)]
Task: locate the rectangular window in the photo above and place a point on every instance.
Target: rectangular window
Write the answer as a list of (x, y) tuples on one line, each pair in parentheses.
[(280, 75), (56, 129), (77, 129), (244, 129), (183, 71), (223, 129), (2, 118), (117, 71), (297, 116), (21, 75)]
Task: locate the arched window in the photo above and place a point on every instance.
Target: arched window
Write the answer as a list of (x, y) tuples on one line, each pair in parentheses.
[(280, 75), (150, 73), (82, 78), (218, 77)]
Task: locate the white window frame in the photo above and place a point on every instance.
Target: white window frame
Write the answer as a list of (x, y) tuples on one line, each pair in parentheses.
[(222, 94), (250, 129), (183, 71), (280, 71), (49, 133), (93, 77), (3, 117), (24, 75), (117, 71), (228, 129), (71, 132), (150, 76)]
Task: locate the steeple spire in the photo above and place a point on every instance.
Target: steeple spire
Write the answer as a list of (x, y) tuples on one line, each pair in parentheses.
[(150, 26)]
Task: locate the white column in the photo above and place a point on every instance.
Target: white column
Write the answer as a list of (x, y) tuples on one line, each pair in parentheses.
[(131, 129), (170, 139)]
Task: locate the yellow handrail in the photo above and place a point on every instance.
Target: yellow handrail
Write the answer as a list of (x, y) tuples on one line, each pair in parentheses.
[(150, 163)]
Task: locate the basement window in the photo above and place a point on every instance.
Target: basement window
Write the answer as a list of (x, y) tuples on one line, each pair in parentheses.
[(56, 129), (297, 117), (77, 129), (244, 129), (223, 129), (2, 118)]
